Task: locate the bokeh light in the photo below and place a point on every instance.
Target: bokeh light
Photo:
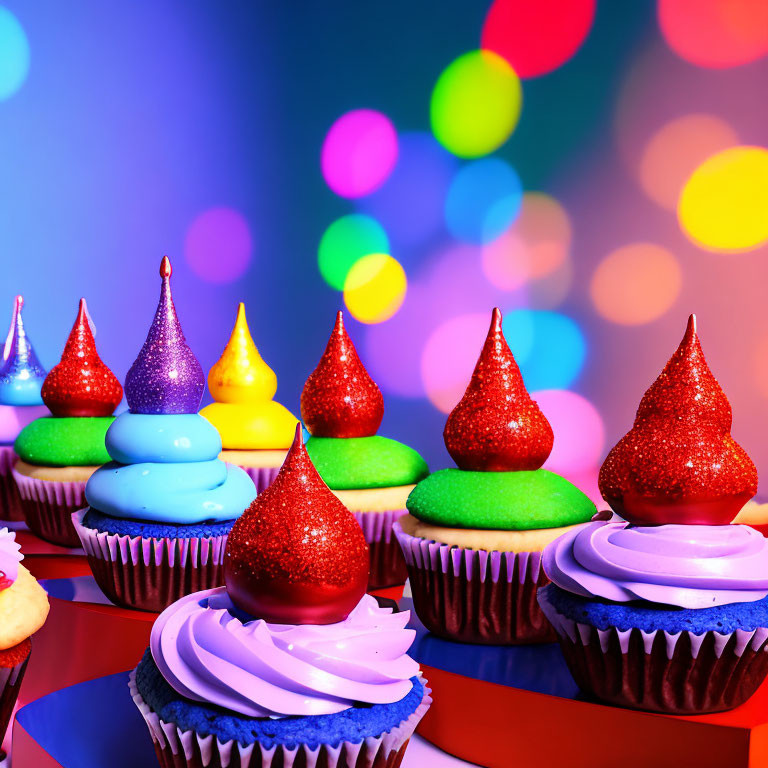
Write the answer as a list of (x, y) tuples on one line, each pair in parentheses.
[(375, 288), (537, 37), (724, 204), (218, 246), (475, 104), (346, 240), (449, 357), (548, 346), (410, 202), (483, 200), (533, 247), (579, 431), (676, 149), (636, 283), (359, 152), (14, 54), (715, 33)]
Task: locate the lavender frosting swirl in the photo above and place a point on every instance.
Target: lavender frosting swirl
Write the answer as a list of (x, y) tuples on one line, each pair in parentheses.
[(272, 670), (10, 557), (689, 566)]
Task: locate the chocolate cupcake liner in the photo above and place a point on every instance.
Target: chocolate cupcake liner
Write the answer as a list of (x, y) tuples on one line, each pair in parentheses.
[(387, 561), (10, 684), (10, 501), (677, 673), (262, 476), (150, 574), (48, 506), (186, 749), (476, 596)]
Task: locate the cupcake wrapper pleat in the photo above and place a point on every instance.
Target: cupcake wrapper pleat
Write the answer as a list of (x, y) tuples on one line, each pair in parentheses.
[(48, 507), (672, 672), (262, 476), (150, 573), (10, 684), (476, 596), (10, 501), (186, 749), (387, 561)]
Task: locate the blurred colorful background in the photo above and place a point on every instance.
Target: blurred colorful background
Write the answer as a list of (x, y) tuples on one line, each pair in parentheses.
[(596, 169)]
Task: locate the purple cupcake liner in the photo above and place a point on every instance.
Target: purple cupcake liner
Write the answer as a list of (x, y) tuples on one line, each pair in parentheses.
[(262, 476), (48, 506), (387, 562), (186, 749), (151, 573), (661, 671), (476, 596), (10, 501)]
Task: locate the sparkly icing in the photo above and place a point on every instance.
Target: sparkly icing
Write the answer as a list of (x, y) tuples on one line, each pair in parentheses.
[(679, 463), (193, 487), (10, 557), (81, 385), (166, 377), (689, 566), (496, 426), (21, 375), (297, 554), (339, 398), (61, 441), (243, 386), (207, 651)]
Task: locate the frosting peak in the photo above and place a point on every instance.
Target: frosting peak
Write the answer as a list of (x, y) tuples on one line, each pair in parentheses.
[(689, 566), (208, 653), (10, 557), (497, 426), (21, 375), (339, 398), (81, 385), (297, 554), (679, 463), (166, 377), (240, 375)]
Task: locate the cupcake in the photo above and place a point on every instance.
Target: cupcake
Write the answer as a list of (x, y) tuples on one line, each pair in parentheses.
[(667, 612), (21, 378), (755, 515), (474, 535), (159, 512), (23, 610), (291, 663), (58, 453), (372, 475), (255, 430)]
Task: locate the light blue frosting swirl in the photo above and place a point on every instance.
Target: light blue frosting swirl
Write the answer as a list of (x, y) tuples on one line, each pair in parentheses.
[(166, 470)]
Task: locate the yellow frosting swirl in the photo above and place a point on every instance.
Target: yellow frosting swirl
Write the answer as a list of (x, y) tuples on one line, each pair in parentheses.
[(243, 385)]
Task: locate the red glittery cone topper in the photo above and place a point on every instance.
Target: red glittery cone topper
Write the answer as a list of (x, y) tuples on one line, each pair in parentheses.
[(679, 463), (497, 427), (81, 385), (296, 555), (339, 398)]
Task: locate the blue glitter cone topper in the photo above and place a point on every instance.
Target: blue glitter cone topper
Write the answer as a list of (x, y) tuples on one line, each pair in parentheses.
[(21, 375), (166, 377)]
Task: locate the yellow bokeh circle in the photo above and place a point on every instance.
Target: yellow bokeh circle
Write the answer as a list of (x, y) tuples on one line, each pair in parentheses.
[(636, 283), (475, 104), (724, 204), (375, 288)]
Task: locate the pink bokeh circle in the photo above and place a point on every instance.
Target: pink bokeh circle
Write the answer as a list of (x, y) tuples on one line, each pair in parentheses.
[(359, 153)]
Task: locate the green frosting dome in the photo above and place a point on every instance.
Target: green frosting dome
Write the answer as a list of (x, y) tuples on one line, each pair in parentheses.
[(348, 463), (62, 441), (507, 501)]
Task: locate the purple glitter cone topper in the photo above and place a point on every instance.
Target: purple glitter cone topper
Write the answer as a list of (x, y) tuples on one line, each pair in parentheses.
[(21, 375), (166, 377)]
